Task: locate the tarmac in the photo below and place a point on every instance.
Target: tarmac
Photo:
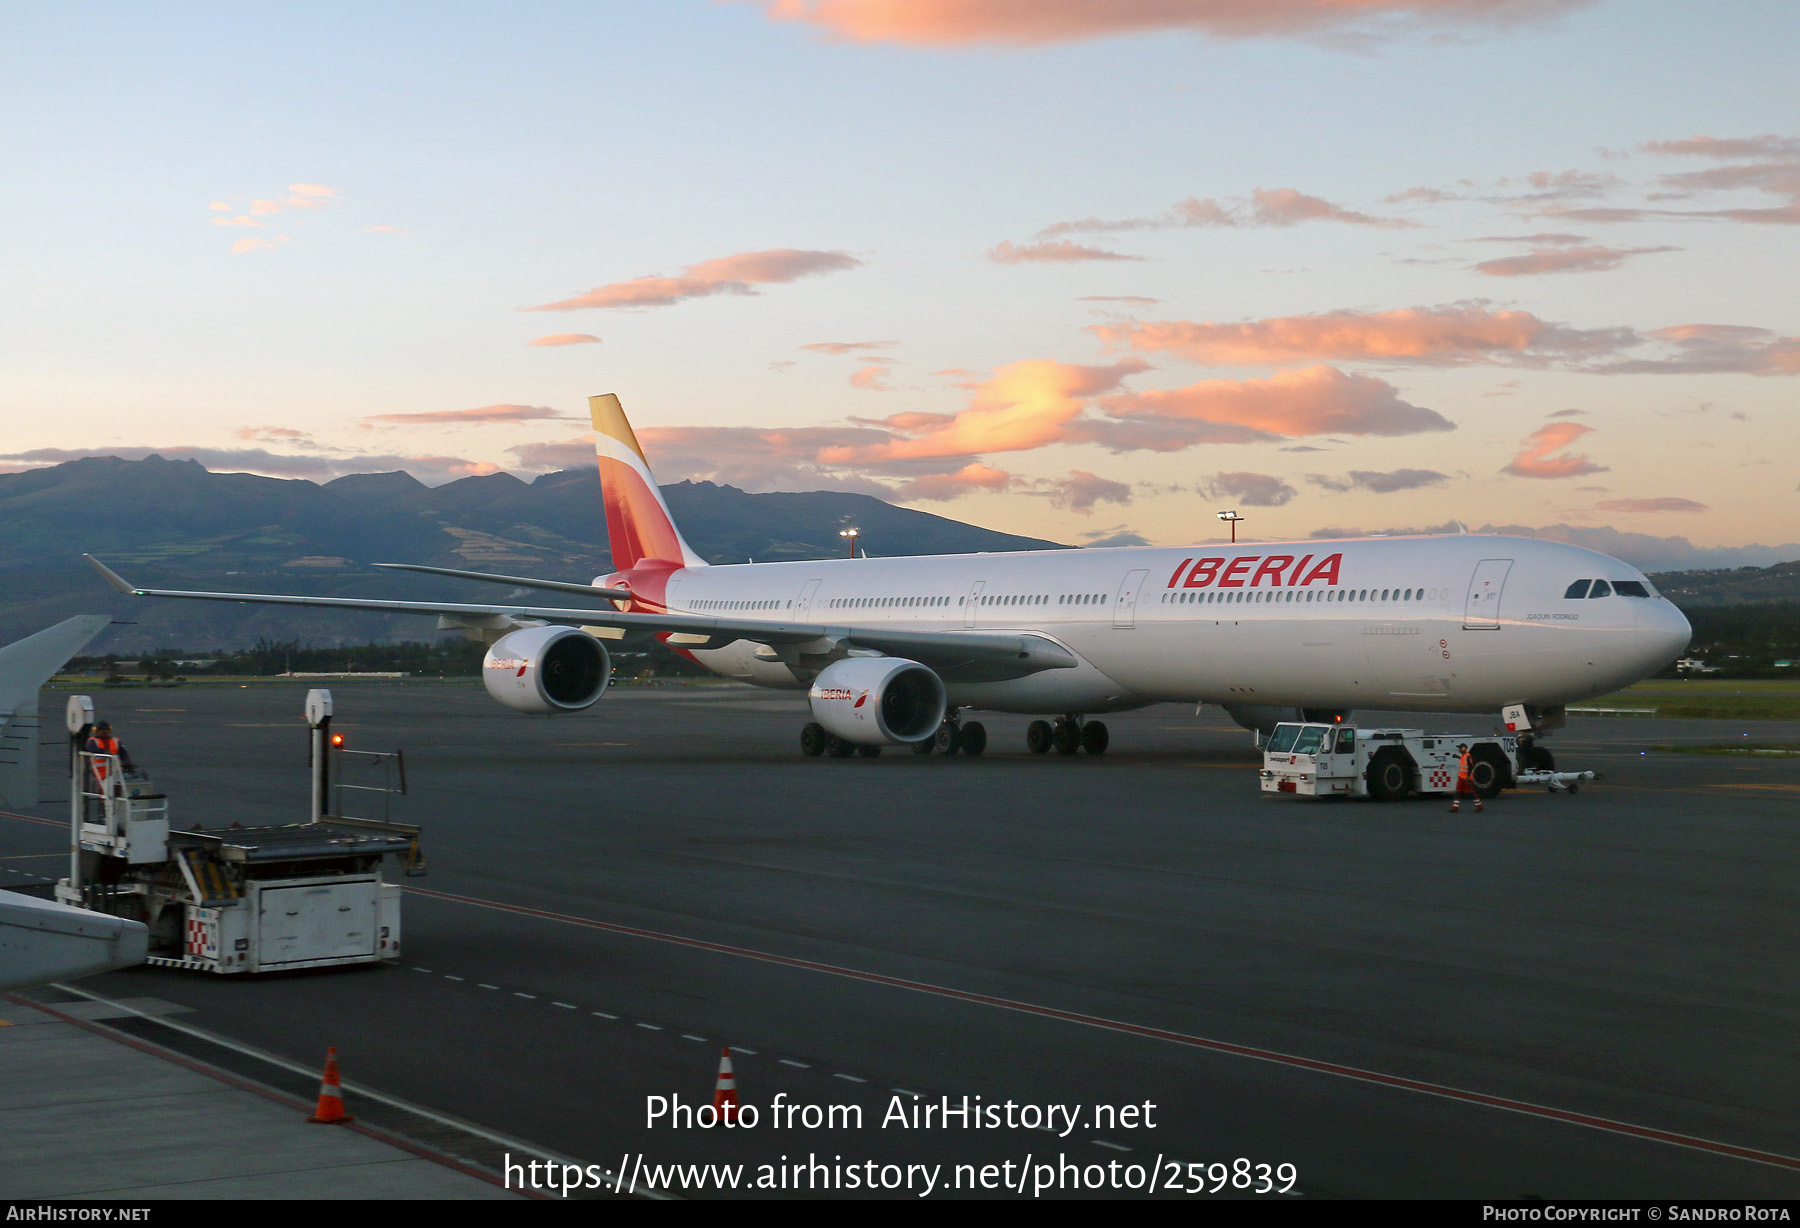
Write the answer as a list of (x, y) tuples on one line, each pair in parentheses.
[(89, 1114), (1587, 996)]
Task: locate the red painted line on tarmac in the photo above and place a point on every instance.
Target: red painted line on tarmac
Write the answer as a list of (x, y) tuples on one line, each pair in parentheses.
[(1294, 1061), (32, 818)]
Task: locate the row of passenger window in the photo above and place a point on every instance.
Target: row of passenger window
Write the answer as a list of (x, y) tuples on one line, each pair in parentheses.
[(886, 603), (1289, 595), (771, 604), (1624, 588)]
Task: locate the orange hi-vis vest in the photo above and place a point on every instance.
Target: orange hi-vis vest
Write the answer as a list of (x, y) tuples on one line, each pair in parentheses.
[(102, 746), (1462, 767)]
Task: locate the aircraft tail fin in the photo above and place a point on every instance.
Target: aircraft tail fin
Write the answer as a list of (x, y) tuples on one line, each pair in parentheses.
[(27, 664), (638, 523)]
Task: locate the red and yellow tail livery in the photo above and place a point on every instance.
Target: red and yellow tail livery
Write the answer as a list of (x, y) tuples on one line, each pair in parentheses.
[(639, 528)]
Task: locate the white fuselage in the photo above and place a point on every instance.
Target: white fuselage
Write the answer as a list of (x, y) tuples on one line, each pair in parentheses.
[(1453, 623)]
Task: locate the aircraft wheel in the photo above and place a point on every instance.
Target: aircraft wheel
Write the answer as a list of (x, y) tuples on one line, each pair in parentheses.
[(973, 738), (812, 739), (1094, 737), (1037, 737), (1538, 759), (949, 737), (838, 748), (925, 747), (869, 752), (1065, 736)]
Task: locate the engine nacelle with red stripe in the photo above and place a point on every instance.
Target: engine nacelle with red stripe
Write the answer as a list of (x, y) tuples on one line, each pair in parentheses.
[(872, 700), (547, 669)]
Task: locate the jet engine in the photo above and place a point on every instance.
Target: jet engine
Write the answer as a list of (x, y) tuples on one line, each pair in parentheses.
[(547, 670), (871, 700), (1261, 719)]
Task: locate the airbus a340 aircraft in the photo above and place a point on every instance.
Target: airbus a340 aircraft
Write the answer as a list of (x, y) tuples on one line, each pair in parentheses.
[(892, 650)]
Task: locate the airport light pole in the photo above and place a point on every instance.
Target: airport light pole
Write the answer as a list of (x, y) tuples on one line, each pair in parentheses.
[(850, 535), (1233, 517)]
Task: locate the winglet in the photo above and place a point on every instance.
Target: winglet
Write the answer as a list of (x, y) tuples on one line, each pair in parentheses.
[(109, 575)]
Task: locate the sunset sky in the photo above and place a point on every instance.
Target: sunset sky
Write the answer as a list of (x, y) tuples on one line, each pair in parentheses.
[(1083, 269)]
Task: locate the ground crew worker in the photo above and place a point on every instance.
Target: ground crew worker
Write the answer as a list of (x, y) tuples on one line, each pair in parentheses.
[(1465, 782), (102, 742)]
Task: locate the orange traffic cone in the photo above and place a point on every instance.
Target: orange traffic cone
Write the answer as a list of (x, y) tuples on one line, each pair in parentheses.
[(331, 1094), (725, 1100)]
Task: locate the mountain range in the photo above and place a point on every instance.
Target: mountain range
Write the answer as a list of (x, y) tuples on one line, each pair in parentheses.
[(174, 524)]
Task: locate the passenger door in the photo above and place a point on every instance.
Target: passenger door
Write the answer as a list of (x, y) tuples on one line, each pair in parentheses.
[(803, 607), (1125, 603), (974, 600), (1482, 610)]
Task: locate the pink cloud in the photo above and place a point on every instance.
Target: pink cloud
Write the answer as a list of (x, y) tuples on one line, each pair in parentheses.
[(249, 245), (870, 378), (472, 417), (1081, 491), (1434, 336), (939, 487), (1542, 238), (1380, 483), (1250, 489), (726, 275), (1645, 506), (565, 339), (1265, 207), (1535, 460), (847, 347), (1312, 401), (1289, 207), (1050, 252), (1765, 146), (311, 196), (554, 456), (962, 23), (1025, 405), (1588, 259), (1715, 348)]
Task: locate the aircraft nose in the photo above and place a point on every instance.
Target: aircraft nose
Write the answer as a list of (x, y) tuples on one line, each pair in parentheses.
[(1663, 632)]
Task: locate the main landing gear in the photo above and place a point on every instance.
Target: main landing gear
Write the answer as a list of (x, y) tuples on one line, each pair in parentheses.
[(814, 741), (955, 737), (1067, 735)]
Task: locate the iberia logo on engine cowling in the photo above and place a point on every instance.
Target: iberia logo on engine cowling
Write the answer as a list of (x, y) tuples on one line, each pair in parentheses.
[(860, 700)]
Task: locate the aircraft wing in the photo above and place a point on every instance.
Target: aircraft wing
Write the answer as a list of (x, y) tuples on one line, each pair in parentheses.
[(557, 586), (958, 656)]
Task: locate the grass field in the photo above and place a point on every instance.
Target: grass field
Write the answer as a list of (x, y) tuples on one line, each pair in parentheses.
[(1697, 698)]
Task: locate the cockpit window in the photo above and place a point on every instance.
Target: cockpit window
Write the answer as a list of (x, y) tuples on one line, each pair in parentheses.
[(1283, 741), (1601, 589), (1630, 588), (1310, 737), (1577, 590)]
